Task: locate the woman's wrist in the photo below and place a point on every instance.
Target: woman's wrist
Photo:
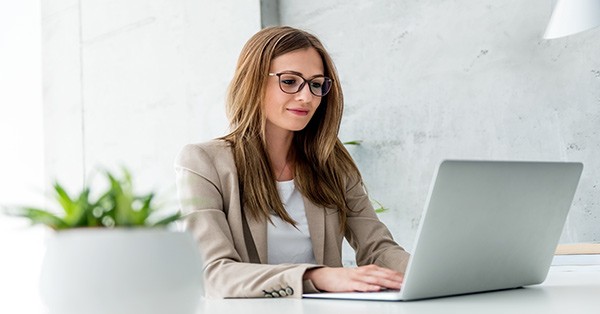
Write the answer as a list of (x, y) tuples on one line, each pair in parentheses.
[(309, 273)]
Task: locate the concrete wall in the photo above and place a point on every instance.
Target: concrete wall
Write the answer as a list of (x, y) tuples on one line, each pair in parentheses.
[(428, 80)]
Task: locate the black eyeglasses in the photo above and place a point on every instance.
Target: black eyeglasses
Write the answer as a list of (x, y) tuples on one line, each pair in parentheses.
[(291, 83)]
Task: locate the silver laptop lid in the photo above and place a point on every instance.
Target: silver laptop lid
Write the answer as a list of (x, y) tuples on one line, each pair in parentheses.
[(489, 225)]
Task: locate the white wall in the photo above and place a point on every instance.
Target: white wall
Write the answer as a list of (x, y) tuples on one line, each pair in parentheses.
[(428, 80), (130, 82), (21, 152)]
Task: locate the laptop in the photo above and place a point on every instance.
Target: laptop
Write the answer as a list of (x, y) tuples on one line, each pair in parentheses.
[(487, 225)]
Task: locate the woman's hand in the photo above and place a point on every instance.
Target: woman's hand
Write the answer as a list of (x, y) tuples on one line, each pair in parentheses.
[(363, 278)]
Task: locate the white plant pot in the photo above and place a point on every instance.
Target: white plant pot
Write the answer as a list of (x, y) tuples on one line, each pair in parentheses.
[(114, 271)]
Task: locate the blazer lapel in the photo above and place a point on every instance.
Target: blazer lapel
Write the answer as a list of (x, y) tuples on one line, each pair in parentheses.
[(315, 216), (258, 228)]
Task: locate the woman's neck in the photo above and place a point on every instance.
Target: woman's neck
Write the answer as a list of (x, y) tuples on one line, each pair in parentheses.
[(278, 149)]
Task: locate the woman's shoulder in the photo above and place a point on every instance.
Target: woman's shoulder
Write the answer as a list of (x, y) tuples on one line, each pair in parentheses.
[(199, 154), (216, 146)]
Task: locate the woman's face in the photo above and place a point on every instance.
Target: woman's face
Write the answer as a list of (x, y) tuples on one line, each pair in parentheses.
[(292, 112)]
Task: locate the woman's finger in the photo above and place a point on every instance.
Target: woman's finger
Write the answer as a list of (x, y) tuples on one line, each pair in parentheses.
[(374, 270), (364, 287)]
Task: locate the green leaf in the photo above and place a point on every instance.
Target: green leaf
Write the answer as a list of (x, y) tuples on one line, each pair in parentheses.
[(64, 199), (40, 216), (357, 142), (380, 208), (141, 214), (79, 214), (103, 207), (122, 201)]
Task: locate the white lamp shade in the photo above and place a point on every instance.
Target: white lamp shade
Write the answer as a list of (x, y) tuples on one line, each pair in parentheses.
[(573, 16)]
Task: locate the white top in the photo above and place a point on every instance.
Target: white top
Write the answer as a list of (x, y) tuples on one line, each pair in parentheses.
[(287, 244)]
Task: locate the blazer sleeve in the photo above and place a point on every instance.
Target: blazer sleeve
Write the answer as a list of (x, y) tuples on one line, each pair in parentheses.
[(368, 236), (225, 274)]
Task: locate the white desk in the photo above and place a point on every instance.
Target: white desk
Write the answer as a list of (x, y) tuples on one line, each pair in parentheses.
[(567, 290)]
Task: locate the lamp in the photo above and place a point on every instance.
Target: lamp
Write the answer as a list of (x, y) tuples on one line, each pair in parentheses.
[(573, 16)]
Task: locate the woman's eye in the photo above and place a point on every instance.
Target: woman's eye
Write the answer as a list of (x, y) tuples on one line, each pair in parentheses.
[(316, 84), (288, 81)]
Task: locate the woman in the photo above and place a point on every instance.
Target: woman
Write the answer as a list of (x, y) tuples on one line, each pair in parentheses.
[(273, 199)]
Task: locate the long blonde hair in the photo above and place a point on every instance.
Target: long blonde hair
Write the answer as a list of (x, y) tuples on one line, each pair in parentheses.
[(322, 164)]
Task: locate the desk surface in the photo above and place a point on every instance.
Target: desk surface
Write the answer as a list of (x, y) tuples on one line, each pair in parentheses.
[(566, 290)]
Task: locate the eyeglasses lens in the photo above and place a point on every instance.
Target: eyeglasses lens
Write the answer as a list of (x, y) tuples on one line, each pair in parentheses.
[(292, 83)]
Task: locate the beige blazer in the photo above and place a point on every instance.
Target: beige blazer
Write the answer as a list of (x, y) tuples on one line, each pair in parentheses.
[(234, 246)]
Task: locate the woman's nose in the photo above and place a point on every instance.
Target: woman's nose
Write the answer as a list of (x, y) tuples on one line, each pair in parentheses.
[(304, 93)]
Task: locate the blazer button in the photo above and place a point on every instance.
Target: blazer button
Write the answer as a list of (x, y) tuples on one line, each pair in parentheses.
[(282, 293), (289, 291), (275, 294), (267, 294)]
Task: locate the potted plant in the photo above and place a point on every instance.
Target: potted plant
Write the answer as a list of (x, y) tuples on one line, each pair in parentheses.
[(111, 254)]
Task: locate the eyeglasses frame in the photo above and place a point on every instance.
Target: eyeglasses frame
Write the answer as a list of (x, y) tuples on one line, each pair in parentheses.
[(303, 83)]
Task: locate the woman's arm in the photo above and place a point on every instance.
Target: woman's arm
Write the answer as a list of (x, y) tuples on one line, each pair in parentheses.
[(383, 260), (370, 238)]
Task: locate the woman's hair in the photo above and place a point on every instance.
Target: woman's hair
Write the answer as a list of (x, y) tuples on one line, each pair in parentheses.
[(322, 164)]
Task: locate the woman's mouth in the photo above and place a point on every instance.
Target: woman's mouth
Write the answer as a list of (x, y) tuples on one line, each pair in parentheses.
[(298, 111)]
